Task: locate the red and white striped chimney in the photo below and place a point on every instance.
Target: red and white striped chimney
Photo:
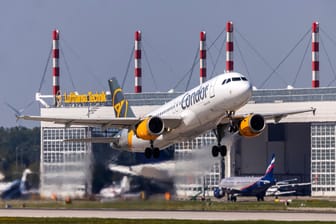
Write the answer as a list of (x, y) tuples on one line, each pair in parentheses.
[(315, 55), (55, 64), (229, 46), (137, 62), (202, 57)]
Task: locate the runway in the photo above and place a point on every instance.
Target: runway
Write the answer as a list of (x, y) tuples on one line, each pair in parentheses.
[(186, 215)]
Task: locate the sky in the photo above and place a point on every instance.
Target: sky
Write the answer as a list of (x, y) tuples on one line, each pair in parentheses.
[(96, 40)]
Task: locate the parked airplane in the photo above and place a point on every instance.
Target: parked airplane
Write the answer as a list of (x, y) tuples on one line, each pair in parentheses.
[(149, 179), (246, 186), (289, 187), (163, 171), (209, 106), (16, 188), (114, 191)]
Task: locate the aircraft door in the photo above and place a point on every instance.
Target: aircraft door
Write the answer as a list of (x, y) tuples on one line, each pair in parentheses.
[(212, 88)]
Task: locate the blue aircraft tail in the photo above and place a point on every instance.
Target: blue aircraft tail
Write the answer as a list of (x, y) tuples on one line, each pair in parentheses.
[(269, 171)]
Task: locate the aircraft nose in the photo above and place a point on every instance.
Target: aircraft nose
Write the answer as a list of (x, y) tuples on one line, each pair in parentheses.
[(246, 90)]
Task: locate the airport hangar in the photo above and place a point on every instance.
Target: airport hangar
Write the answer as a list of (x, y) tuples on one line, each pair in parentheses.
[(304, 144)]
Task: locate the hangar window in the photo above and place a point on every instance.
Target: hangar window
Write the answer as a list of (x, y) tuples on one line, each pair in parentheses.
[(276, 132)]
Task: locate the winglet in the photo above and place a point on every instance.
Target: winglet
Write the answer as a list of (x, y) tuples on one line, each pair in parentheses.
[(119, 102)]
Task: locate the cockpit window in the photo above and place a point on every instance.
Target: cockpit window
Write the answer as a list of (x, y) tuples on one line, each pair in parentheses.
[(240, 78)]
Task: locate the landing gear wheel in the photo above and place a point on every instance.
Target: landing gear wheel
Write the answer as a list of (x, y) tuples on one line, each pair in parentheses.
[(215, 151), (232, 198), (260, 198), (222, 150), (148, 153), (156, 153)]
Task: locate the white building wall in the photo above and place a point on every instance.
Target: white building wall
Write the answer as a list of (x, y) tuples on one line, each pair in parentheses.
[(323, 171)]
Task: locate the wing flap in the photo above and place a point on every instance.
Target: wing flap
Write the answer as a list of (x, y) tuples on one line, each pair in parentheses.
[(102, 122), (94, 140)]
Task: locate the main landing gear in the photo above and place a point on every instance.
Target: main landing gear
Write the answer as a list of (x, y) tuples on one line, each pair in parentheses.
[(152, 151), (219, 133), (232, 198), (216, 149)]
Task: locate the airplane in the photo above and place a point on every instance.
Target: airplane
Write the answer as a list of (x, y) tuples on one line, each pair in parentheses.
[(163, 171), (150, 179), (17, 188), (115, 191), (289, 187), (246, 186), (210, 106)]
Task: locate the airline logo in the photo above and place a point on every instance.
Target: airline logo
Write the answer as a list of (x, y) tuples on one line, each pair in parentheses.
[(197, 96), (271, 165), (119, 103)]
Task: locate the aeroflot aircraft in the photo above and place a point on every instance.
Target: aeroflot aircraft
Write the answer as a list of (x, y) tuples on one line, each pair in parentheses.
[(209, 106), (246, 186)]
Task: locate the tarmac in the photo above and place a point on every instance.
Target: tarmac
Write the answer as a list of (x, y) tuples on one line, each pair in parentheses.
[(177, 215)]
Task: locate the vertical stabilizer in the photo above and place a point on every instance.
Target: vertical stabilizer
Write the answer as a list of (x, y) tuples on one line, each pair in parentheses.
[(119, 102), (269, 171), (24, 180), (125, 184)]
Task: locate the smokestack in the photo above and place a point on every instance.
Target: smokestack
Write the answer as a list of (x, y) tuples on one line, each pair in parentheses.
[(55, 65), (202, 57), (315, 55), (229, 46), (137, 61)]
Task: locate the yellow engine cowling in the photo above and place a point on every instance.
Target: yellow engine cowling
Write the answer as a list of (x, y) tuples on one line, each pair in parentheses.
[(252, 125), (149, 128)]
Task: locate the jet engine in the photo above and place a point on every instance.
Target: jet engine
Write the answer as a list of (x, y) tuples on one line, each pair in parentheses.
[(218, 192), (149, 128), (252, 125)]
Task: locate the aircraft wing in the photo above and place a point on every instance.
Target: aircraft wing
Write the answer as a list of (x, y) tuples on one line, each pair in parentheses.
[(128, 122), (94, 140), (123, 169), (276, 116), (279, 115)]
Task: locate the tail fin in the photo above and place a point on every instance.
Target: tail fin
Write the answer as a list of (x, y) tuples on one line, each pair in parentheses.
[(24, 179), (125, 184), (119, 103), (269, 171)]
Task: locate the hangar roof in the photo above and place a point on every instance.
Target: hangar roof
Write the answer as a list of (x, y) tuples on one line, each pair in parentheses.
[(258, 96)]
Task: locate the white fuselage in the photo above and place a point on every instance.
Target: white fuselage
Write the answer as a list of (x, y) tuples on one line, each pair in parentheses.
[(238, 183), (200, 108)]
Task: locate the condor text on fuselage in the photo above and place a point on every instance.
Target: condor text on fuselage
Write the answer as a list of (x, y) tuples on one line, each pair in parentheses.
[(192, 98)]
